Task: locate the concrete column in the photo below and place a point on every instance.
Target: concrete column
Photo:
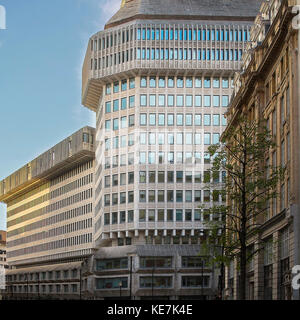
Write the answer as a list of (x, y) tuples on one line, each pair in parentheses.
[(236, 280), (296, 104), (258, 274), (276, 267)]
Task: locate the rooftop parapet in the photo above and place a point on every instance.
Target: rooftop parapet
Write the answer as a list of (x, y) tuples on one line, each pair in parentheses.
[(77, 148)]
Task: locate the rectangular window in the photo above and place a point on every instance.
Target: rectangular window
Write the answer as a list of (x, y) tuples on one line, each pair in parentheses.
[(170, 100), (179, 213), (207, 101), (179, 82), (143, 100), (216, 120), (116, 87), (197, 120), (152, 119), (207, 120), (170, 119), (188, 100), (111, 283), (131, 101), (124, 85), (225, 101), (198, 101), (131, 83), (207, 83), (156, 282), (161, 100), (216, 101), (195, 281), (143, 119), (161, 119), (179, 100), (108, 107)]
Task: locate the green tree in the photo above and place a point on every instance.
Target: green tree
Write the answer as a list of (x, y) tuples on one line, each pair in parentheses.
[(248, 186)]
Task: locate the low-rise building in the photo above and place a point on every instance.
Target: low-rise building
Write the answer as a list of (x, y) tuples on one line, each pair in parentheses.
[(147, 272), (50, 217), (3, 262)]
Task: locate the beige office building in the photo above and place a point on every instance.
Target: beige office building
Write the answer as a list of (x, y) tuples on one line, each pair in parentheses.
[(50, 219)]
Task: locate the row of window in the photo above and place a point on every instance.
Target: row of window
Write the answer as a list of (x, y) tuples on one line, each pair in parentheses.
[(163, 177), (170, 119), (152, 262), (157, 196), (161, 100), (114, 180), (71, 173), (182, 101), (181, 139), (123, 85), (49, 275), (169, 82), (53, 245), (66, 288), (189, 54), (54, 194), (195, 33), (161, 215), (159, 239), (190, 158), (161, 282), (81, 196), (72, 186), (63, 216), (63, 230), (176, 54), (120, 104), (164, 196)]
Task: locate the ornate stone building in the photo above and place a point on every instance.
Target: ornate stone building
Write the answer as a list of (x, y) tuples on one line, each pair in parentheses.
[(268, 88)]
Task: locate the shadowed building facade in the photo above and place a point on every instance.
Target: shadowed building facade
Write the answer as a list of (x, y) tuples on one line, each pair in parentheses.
[(268, 89), (159, 78)]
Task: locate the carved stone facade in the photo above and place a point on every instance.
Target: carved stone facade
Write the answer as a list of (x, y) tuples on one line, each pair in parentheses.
[(268, 88)]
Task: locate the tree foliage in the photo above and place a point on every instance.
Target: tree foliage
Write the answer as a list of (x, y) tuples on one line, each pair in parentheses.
[(250, 184)]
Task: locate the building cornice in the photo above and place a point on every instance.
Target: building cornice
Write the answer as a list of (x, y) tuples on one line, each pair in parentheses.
[(253, 73), (45, 167)]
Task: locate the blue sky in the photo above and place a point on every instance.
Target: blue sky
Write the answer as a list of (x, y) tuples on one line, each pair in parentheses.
[(41, 55)]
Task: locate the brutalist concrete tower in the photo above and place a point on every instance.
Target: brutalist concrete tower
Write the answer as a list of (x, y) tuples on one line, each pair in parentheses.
[(160, 77)]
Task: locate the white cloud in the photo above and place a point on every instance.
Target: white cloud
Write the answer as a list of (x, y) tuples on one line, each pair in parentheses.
[(107, 9), (102, 10)]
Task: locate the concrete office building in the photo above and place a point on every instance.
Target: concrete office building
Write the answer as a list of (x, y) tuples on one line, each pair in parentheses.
[(159, 78), (50, 219), (268, 89)]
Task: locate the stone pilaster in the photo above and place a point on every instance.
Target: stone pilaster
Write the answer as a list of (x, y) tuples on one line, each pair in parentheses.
[(258, 274)]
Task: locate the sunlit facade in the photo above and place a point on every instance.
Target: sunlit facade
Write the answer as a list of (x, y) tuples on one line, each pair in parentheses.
[(159, 78)]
